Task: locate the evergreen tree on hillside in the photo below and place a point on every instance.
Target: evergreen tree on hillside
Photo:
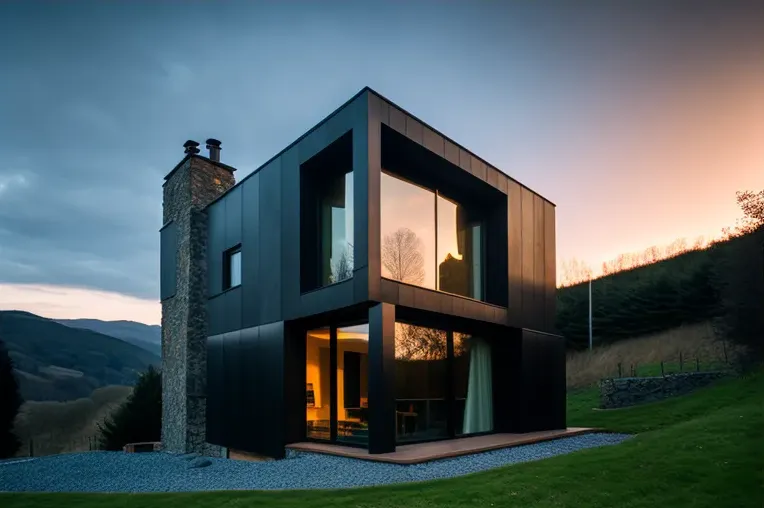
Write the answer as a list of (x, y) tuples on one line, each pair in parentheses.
[(139, 418), (10, 402)]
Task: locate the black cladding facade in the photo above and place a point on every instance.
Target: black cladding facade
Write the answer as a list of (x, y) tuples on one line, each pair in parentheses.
[(256, 353)]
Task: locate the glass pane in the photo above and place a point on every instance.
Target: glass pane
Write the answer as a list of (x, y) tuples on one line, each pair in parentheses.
[(459, 253), (337, 230), (235, 267), (317, 376), (473, 389), (407, 232), (353, 384), (420, 383)]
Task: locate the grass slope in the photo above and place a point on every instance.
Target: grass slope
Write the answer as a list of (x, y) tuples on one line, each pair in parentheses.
[(705, 449)]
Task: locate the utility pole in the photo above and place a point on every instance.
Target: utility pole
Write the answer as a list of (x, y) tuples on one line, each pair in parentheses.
[(590, 314)]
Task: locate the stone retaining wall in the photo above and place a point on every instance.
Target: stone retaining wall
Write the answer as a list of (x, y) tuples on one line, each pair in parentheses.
[(629, 391)]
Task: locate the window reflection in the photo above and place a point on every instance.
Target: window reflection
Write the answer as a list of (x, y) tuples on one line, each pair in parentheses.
[(459, 251), (420, 383), (337, 229), (353, 384), (412, 218), (407, 232)]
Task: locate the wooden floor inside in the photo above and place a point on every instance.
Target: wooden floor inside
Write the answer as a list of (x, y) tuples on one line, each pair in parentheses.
[(425, 452)]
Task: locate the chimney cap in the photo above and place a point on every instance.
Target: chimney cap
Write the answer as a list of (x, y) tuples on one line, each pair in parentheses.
[(213, 142), (191, 146)]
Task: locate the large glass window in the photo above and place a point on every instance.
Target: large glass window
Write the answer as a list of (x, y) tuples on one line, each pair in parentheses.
[(459, 251), (336, 236), (408, 232), (318, 384), (326, 216), (353, 384), (473, 389), (429, 240), (421, 400)]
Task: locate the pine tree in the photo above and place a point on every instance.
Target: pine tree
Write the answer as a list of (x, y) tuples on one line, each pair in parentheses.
[(139, 418), (10, 402)]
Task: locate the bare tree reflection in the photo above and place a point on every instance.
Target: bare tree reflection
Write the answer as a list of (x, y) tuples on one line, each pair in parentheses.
[(418, 343), (342, 268), (402, 256)]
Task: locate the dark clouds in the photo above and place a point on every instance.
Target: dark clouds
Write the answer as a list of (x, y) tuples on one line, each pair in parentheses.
[(96, 99)]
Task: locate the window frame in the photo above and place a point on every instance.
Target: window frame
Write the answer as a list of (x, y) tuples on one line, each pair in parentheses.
[(437, 193), (228, 266)]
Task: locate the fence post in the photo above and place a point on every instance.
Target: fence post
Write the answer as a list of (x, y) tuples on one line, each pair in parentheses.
[(724, 350), (680, 361), (663, 373), (619, 370), (697, 364), (31, 447)]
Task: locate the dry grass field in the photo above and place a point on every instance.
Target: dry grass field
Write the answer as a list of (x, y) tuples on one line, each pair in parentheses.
[(60, 427), (643, 354)]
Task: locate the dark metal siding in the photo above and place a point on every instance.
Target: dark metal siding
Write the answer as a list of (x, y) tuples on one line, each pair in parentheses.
[(269, 281), (529, 226), (168, 260), (245, 390), (543, 381), (251, 293), (216, 240)]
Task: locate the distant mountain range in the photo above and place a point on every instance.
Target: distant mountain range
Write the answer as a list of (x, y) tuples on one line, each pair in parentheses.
[(148, 337), (56, 361)]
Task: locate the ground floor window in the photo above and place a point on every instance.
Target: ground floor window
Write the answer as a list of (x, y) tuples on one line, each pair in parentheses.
[(337, 376), (443, 384)]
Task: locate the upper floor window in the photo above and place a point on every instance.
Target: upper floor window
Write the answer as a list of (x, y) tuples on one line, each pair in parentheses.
[(232, 267), (430, 240), (327, 218)]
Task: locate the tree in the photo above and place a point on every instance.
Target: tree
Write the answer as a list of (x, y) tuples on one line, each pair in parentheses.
[(10, 402), (575, 272), (402, 256), (139, 418), (752, 205)]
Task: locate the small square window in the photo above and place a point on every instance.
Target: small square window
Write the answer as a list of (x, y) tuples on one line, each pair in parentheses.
[(232, 268)]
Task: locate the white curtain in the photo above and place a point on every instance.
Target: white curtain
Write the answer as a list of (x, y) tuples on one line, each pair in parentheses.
[(478, 409)]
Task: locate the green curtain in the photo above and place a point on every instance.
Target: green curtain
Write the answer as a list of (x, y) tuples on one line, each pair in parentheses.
[(478, 409)]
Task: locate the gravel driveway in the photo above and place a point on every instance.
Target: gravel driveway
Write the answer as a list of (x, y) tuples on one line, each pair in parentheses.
[(165, 472)]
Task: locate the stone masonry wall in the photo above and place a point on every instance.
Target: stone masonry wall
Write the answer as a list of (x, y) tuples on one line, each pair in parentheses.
[(195, 184), (624, 392)]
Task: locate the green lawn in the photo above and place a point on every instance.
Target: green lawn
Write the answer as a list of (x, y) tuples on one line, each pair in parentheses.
[(705, 449)]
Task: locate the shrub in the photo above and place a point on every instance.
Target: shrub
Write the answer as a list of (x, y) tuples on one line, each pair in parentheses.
[(10, 402), (139, 419)]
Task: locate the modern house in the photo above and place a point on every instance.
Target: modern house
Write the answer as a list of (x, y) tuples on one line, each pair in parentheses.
[(373, 284)]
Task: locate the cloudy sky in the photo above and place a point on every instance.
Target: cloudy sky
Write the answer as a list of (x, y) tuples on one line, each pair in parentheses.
[(639, 122)]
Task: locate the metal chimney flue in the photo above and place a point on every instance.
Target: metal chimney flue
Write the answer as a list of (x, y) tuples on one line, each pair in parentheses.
[(213, 145), (191, 146)]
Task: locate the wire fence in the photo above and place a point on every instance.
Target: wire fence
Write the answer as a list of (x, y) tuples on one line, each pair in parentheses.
[(52, 444)]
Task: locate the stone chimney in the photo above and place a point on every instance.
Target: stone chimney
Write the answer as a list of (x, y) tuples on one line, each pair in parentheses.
[(192, 185)]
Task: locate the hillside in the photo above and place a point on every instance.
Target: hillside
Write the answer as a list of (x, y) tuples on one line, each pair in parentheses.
[(723, 281), (62, 427), (148, 337), (57, 362)]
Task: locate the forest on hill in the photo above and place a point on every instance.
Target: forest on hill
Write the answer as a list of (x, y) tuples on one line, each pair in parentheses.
[(722, 282)]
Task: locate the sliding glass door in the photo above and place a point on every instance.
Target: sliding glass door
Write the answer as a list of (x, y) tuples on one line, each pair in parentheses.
[(443, 384), (337, 384)]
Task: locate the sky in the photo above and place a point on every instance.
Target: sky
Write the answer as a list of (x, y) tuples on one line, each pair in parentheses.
[(639, 120)]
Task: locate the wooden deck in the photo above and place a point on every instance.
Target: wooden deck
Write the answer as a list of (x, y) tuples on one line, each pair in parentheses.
[(425, 452)]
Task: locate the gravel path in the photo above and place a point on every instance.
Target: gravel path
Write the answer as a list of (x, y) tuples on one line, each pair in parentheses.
[(165, 472)]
